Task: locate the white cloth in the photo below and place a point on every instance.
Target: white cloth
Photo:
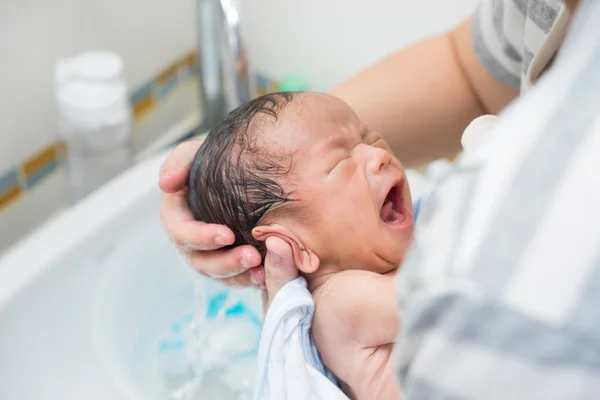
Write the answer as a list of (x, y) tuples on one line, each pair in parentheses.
[(289, 366), (475, 133)]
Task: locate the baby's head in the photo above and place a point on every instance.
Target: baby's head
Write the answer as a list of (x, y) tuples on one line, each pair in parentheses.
[(303, 167)]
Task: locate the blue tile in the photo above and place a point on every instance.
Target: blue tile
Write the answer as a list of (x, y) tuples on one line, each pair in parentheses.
[(189, 71), (8, 180), (40, 174), (141, 93), (263, 82), (165, 88)]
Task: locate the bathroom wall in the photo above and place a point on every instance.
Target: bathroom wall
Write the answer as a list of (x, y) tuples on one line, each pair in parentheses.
[(323, 41), (328, 41), (156, 40)]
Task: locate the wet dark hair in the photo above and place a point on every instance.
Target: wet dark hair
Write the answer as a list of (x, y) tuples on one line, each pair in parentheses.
[(233, 178)]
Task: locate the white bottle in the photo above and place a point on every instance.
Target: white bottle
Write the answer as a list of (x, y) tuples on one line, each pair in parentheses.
[(94, 118)]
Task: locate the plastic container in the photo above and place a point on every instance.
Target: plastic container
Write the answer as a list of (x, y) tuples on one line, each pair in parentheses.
[(94, 119)]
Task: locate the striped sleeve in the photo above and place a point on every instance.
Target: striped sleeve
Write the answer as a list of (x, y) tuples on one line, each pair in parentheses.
[(499, 294), (497, 32)]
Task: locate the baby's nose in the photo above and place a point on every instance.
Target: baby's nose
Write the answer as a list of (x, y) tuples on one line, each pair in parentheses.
[(376, 159)]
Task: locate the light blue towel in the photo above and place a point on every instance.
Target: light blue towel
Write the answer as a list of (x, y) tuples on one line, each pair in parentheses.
[(416, 208)]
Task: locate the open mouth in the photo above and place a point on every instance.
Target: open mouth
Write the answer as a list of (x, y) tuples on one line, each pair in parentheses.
[(393, 211)]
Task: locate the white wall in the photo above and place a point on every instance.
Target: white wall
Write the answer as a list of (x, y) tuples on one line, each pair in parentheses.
[(327, 41), (35, 33)]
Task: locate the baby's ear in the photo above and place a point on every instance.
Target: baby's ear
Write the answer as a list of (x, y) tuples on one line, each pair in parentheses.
[(306, 260)]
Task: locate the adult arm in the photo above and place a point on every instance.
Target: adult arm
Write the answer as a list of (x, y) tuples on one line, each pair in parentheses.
[(422, 98)]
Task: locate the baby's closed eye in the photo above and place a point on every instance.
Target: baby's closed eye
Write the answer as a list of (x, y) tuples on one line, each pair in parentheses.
[(340, 155)]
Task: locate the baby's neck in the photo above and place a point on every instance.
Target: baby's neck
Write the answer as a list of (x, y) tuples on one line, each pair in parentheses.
[(326, 272), (319, 278)]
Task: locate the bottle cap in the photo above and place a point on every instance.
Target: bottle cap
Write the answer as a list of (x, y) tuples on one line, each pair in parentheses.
[(90, 90)]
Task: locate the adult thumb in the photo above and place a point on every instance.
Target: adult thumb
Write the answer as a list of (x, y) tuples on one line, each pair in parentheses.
[(279, 266)]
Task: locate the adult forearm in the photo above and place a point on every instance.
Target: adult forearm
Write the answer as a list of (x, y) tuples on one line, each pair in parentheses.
[(423, 97)]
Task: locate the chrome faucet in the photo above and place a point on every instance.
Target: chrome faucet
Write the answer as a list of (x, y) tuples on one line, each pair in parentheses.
[(224, 80)]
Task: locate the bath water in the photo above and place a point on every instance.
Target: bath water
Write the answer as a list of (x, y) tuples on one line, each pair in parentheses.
[(201, 343)]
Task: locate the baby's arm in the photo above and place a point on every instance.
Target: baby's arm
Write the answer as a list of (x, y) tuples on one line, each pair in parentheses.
[(355, 326)]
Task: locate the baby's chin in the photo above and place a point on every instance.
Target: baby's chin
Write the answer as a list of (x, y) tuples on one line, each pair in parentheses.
[(383, 253), (394, 256), (385, 262)]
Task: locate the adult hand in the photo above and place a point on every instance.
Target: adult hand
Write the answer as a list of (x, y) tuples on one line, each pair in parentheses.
[(202, 243), (279, 268)]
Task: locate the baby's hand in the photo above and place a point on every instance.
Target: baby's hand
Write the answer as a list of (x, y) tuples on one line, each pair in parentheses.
[(279, 268)]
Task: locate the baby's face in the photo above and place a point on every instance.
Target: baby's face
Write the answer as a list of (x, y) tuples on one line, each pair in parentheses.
[(357, 205)]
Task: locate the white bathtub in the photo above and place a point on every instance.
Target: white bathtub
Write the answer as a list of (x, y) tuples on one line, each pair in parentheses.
[(75, 294), (66, 324)]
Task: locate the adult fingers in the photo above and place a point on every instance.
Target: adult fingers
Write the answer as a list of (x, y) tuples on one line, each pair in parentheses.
[(223, 264), (185, 231), (174, 170), (248, 278), (280, 267)]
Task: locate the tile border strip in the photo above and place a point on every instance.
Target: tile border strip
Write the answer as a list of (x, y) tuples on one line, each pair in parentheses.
[(144, 100)]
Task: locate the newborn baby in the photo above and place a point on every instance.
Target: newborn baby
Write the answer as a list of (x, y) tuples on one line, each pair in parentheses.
[(303, 167)]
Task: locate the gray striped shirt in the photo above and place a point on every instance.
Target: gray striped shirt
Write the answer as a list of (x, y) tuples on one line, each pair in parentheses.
[(500, 294), (507, 33)]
